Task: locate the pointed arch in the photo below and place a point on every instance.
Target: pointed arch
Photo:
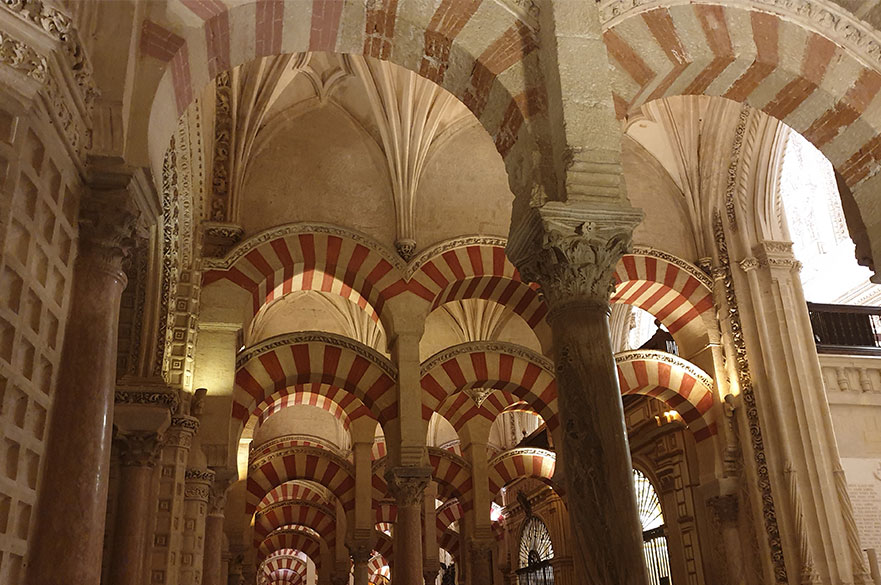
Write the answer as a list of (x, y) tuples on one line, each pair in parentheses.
[(495, 365), (679, 383), (332, 365)]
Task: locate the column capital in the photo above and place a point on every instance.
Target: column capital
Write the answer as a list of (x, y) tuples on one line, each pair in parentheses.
[(138, 448), (361, 552), (223, 479), (777, 256), (198, 484), (407, 484), (571, 251)]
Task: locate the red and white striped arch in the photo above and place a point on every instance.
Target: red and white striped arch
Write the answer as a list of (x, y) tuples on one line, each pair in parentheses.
[(283, 442), (377, 566), (291, 538), (460, 408), (283, 568), (451, 272), (449, 541), (448, 513), (679, 383), (336, 367), (492, 48), (506, 367), (673, 290), (309, 463), (384, 545), (519, 463), (319, 518), (342, 405), (300, 490), (386, 512), (452, 474), (306, 257), (809, 73)]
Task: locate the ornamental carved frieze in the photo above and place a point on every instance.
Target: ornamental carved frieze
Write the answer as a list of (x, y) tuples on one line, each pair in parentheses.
[(571, 251), (23, 58), (407, 484)]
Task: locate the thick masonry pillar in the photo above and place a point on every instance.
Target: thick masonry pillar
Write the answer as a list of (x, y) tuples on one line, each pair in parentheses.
[(138, 453), (407, 485), (571, 252), (69, 524)]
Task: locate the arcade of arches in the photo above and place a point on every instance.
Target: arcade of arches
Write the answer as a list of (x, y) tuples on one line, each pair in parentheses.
[(484, 292)]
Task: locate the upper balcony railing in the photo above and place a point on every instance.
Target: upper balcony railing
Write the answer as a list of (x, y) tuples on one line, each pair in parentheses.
[(846, 329)]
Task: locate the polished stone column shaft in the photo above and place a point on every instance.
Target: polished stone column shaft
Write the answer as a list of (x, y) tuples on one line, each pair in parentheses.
[(68, 526), (596, 455), (407, 485), (138, 453)]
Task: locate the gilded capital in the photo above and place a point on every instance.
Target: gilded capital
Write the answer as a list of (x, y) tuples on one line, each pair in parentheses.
[(571, 252)]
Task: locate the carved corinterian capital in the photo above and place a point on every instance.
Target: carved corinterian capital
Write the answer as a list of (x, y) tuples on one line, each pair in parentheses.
[(138, 449), (572, 251), (223, 479), (361, 552), (407, 484), (107, 218)]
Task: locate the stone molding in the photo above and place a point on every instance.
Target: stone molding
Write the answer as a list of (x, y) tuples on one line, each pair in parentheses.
[(571, 252), (407, 484), (138, 449), (198, 484), (667, 358), (259, 462), (486, 346)]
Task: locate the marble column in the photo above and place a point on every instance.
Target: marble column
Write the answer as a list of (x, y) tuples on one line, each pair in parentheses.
[(138, 453), (212, 563), (407, 485), (70, 511), (571, 252)]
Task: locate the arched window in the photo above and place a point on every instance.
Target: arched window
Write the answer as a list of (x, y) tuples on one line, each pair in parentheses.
[(536, 553), (654, 539)]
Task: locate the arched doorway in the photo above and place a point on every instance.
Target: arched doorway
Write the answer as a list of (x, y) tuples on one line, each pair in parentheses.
[(654, 531), (536, 554)]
